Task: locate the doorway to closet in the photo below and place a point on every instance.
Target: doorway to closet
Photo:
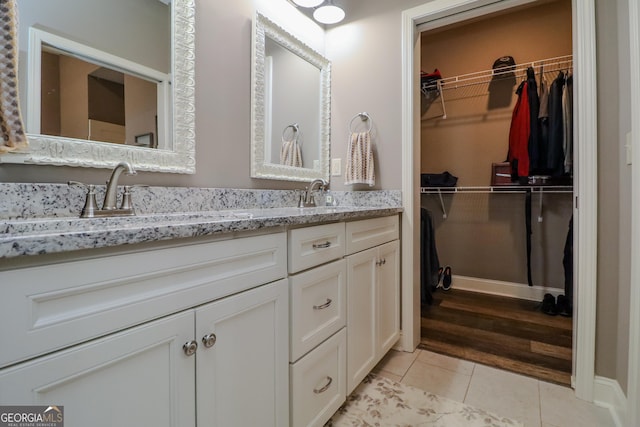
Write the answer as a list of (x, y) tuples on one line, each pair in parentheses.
[(493, 312)]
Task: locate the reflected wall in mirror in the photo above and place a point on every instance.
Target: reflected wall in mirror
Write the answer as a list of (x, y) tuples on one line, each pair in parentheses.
[(75, 91), (290, 106), (127, 46)]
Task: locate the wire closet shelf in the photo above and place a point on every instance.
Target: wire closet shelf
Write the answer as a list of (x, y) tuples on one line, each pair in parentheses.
[(500, 189), (549, 65), (477, 84)]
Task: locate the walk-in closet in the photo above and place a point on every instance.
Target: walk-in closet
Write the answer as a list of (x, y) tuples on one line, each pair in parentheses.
[(496, 235)]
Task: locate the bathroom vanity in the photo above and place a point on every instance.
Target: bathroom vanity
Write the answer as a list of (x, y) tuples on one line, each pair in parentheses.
[(266, 317)]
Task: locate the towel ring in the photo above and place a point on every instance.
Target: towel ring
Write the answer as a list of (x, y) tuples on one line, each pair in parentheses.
[(295, 131), (365, 117)]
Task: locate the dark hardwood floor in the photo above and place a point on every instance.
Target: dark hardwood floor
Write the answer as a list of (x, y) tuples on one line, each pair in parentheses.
[(506, 333)]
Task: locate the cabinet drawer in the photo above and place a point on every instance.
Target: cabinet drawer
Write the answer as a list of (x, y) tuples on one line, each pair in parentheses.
[(318, 383), (59, 305), (365, 234), (318, 306), (315, 245)]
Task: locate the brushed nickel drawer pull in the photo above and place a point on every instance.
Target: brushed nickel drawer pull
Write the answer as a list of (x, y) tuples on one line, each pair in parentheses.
[(323, 306), (322, 245), (324, 387)]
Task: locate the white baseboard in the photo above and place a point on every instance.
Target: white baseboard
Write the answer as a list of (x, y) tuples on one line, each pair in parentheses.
[(507, 289), (608, 394)]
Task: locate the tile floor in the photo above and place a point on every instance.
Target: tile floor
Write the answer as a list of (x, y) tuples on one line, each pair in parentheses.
[(533, 402)]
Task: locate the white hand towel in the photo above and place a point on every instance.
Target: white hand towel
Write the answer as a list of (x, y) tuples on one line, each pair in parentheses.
[(13, 136), (290, 154), (360, 160)]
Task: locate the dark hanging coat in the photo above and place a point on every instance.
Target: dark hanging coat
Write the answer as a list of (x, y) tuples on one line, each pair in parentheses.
[(555, 154), (536, 163)]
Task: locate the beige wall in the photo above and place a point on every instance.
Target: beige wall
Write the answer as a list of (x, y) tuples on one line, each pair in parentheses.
[(366, 55), (484, 235), (140, 97), (472, 136), (74, 92), (614, 195), (624, 244)]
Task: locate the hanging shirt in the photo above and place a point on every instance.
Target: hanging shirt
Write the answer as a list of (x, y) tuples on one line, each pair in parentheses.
[(543, 123), (535, 161), (519, 134), (567, 114), (555, 153)]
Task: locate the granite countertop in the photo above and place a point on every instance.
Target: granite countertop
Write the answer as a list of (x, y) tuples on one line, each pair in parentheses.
[(38, 236)]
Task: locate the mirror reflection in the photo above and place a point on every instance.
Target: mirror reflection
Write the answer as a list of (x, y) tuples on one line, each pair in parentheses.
[(292, 110), (84, 100), (137, 61), (290, 106)]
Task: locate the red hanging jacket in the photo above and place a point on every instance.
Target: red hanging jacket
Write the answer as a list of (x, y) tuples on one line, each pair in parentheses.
[(519, 133)]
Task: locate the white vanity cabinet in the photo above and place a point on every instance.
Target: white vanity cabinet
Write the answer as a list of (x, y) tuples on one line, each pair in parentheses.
[(128, 339), (242, 377), (373, 294), (137, 377), (317, 323)]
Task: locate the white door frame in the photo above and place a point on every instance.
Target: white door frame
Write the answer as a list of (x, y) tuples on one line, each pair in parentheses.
[(585, 181)]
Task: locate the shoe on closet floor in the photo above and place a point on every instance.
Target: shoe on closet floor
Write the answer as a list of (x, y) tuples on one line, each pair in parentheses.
[(549, 305), (446, 278), (439, 283), (563, 306)]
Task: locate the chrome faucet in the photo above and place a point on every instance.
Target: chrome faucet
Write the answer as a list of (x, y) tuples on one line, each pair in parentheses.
[(111, 195), (307, 199), (109, 208)]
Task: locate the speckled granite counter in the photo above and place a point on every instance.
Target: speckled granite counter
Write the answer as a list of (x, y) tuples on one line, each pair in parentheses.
[(36, 218)]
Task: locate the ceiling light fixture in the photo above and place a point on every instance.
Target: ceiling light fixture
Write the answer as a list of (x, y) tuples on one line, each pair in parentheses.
[(308, 3), (328, 13)]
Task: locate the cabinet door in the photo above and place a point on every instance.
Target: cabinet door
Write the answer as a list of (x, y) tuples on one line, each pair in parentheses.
[(139, 377), (388, 299), (242, 379), (361, 316)]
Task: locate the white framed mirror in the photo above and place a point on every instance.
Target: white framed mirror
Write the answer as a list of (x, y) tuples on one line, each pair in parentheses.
[(151, 42), (290, 106)]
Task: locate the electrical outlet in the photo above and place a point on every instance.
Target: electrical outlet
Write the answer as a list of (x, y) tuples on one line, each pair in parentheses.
[(336, 167)]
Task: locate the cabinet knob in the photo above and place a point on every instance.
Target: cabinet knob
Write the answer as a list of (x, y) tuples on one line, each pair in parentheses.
[(322, 245), (323, 306), (190, 347), (209, 340), (324, 387)]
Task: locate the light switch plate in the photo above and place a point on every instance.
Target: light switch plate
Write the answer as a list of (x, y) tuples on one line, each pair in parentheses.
[(336, 167)]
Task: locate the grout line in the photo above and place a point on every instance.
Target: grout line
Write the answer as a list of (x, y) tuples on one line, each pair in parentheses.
[(409, 367), (466, 392), (539, 401)]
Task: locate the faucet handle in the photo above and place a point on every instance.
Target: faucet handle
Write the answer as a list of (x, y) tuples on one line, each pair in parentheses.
[(126, 196), (90, 205)]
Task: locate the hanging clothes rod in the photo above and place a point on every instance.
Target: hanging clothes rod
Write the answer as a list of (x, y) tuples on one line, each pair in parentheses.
[(503, 189), (560, 63), (541, 190)]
